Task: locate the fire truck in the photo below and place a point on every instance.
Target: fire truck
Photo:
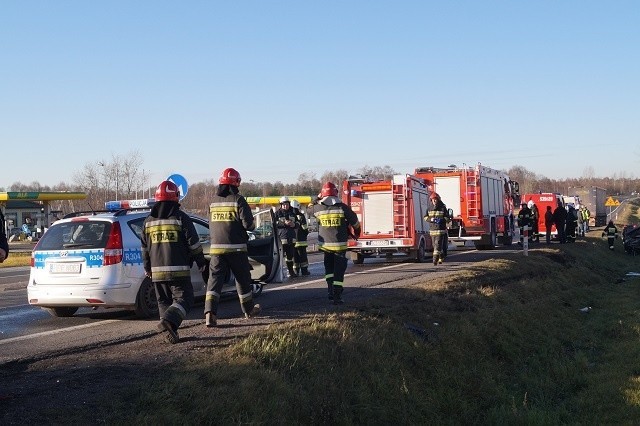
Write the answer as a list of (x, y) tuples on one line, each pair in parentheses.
[(391, 214), (480, 200), (542, 200)]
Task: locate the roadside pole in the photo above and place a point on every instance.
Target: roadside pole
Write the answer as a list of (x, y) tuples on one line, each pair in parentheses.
[(525, 240)]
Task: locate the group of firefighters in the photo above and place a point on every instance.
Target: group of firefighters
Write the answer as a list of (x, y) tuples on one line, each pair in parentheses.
[(569, 222)]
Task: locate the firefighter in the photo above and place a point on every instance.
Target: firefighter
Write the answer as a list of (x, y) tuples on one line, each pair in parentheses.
[(230, 219), (560, 219), (287, 225), (437, 216), (611, 232), (535, 217), (334, 219), (524, 222), (548, 223), (572, 224), (300, 258), (170, 244)]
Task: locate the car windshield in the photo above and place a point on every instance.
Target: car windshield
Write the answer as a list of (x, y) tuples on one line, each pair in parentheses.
[(71, 235)]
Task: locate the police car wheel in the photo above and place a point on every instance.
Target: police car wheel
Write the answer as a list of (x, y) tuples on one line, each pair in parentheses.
[(146, 302)]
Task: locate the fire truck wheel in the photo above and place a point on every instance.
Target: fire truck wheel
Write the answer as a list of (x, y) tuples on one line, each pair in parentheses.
[(359, 259)]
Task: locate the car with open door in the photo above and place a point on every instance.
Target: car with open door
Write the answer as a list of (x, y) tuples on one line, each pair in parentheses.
[(94, 260)]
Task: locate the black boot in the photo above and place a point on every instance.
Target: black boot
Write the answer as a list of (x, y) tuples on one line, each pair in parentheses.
[(292, 273), (330, 289), (305, 271), (337, 295)]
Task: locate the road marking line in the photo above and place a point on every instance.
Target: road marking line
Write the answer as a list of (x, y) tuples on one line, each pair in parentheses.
[(322, 280), (52, 332)]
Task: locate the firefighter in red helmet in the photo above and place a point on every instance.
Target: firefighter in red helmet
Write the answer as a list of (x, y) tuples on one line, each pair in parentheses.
[(229, 220), (334, 219), (170, 243), (437, 216)]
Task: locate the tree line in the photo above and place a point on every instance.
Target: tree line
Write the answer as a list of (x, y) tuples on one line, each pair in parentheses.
[(124, 177)]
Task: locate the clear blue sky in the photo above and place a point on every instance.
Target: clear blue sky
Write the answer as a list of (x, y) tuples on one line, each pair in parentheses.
[(278, 88)]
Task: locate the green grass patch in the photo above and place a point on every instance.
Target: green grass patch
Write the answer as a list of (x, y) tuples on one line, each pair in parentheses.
[(504, 342)]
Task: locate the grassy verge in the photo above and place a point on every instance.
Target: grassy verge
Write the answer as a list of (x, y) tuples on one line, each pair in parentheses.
[(504, 342), (17, 259)]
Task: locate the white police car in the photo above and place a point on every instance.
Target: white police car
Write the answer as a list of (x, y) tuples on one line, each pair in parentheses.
[(94, 259)]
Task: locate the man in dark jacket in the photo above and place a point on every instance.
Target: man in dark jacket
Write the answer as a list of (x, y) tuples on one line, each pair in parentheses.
[(287, 224), (524, 222), (4, 244), (300, 257), (560, 220), (230, 219), (548, 223), (170, 244), (572, 224), (437, 216)]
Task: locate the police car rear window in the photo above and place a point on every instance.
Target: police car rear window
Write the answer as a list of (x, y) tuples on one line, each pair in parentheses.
[(75, 235)]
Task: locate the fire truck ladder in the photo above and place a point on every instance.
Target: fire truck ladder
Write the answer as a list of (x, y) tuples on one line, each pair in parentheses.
[(471, 185), (400, 218)]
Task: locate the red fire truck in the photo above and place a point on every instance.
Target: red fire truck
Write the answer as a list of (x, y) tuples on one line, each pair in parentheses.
[(542, 200), (391, 214), (481, 201)]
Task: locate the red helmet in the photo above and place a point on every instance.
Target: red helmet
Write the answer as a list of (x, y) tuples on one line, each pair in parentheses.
[(167, 191), (230, 177), (434, 196), (329, 189)]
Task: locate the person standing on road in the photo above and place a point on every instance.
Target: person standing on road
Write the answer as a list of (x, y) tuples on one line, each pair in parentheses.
[(230, 219), (4, 244), (560, 219), (611, 232), (170, 244), (437, 217), (287, 225), (524, 222), (535, 218), (300, 258), (572, 224), (548, 223), (334, 219)]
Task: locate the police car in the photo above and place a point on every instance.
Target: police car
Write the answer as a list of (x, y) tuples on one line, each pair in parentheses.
[(94, 259)]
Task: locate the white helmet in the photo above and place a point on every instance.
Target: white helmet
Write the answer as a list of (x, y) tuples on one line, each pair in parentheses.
[(284, 199), (530, 203), (295, 204)]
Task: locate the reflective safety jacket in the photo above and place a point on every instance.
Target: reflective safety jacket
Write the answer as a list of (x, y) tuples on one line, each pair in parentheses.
[(610, 231), (437, 217), (334, 218), (302, 232), (230, 218), (170, 243), (286, 233)]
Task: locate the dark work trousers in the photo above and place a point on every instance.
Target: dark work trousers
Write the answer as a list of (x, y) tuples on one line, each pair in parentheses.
[(175, 299), (335, 265), (562, 236), (219, 268), (288, 247)]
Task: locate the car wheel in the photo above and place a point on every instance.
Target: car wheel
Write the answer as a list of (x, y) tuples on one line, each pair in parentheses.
[(146, 302), (66, 311)]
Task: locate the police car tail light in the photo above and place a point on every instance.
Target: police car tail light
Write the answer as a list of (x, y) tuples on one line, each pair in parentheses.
[(33, 259), (113, 249)]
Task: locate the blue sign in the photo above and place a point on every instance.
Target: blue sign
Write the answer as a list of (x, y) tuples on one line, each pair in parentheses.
[(181, 183)]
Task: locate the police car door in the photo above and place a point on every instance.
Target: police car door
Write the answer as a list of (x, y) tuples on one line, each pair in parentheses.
[(264, 248)]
